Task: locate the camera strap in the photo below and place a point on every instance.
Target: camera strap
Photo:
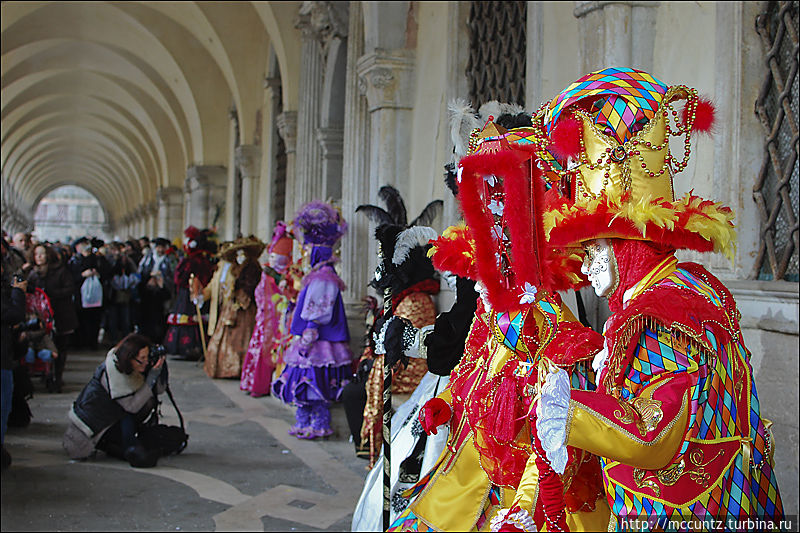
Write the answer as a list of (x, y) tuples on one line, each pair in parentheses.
[(175, 405)]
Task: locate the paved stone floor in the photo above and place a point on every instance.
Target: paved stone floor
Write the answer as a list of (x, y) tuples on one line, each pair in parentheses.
[(241, 470)]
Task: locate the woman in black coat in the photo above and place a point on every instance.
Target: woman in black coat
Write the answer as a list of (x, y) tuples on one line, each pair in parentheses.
[(52, 276)]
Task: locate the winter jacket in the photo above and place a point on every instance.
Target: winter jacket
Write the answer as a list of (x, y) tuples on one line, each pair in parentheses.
[(57, 282), (106, 399), (12, 313)]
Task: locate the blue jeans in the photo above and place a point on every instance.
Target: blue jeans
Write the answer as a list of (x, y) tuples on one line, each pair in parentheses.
[(7, 393), (44, 355)]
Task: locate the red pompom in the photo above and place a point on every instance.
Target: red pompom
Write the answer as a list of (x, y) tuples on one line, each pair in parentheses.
[(191, 232), (703, 116), (566, 138)]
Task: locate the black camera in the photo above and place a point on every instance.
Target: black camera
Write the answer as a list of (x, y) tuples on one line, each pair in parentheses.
[(157, 351), (31, 325)]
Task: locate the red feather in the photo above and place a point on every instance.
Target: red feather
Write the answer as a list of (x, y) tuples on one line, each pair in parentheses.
[(704, 116), (566, 138)]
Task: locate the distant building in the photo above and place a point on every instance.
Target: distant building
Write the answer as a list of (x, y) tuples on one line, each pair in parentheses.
[(67, 213)]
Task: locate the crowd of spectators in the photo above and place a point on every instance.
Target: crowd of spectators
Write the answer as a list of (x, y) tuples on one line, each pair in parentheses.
[(87, 294)]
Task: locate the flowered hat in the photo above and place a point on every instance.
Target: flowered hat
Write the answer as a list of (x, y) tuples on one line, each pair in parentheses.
[(251, 245), (319, 223), (605, 146)]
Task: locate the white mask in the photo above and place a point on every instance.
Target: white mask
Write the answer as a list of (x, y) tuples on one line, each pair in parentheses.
[(241, 257), (600, 266), (484, 294)]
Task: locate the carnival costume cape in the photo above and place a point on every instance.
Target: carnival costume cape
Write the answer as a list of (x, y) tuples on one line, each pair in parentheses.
[(318, 360), (232, 310), (183, 330), (519, 327), (676, 417), (258, 365), (405, 270)]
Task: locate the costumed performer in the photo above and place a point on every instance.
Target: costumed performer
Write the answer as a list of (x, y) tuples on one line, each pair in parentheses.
[(318, 360), (676, 417), (521, 327), (258, 365), (232, 310), (406, 271), (183, 334)]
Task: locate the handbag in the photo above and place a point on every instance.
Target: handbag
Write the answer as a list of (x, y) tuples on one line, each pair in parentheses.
[(91, 293), (168, 440)]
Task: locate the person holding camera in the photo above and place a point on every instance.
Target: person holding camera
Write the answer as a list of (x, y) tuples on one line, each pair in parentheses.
[(13, 312), (112, 408)]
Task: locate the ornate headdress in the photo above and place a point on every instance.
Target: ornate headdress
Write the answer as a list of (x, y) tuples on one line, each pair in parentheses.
[(605, 144), (198, 240), (501, 192), (320, 223)]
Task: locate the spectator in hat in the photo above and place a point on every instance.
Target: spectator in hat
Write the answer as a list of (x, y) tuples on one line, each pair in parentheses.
[(85, 264)]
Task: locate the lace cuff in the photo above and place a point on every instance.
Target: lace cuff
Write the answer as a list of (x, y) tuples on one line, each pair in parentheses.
[(418, 348), (551, 422), (519, 518)]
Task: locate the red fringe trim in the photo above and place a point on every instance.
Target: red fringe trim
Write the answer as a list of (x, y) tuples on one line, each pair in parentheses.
[(573, 343)]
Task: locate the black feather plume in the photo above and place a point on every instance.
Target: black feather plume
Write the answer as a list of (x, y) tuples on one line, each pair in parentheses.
[(375, 214), (428, 214), (394, 204)]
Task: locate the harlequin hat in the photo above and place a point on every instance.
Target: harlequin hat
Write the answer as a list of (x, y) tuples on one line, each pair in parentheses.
[(604, 141)]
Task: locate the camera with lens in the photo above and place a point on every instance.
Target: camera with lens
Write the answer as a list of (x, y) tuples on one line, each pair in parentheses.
[(31, 325), (157, 351)]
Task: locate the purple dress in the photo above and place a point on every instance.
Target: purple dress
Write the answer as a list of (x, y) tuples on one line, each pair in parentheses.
[(318, 361)]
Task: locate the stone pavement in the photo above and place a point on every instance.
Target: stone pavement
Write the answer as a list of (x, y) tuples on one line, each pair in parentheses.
[(240, 472)]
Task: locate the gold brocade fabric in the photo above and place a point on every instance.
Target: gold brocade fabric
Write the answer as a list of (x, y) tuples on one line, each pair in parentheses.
[(419, 309), (228, 345)]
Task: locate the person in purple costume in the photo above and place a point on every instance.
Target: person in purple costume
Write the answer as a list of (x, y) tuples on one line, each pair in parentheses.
[(318, 361)]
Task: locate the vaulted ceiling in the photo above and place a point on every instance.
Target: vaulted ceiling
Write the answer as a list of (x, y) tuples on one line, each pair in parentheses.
[(122, 97)]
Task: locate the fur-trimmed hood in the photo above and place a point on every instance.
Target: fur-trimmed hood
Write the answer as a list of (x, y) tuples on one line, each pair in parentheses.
[(119, 384)]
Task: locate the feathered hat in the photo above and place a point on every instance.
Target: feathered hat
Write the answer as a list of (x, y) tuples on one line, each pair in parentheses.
[(320, 223), (198, 240), (251, 245), (281, 243), (402, 244), (501, 193), (604, 142)]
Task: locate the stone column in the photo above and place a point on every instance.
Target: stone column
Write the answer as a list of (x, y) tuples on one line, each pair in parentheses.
[(152, 217), (248, 161), (386, 77), (616, 34), (206, 185), (170, 212), (308, 173), (358, 263), (331, 140), (287, 129)]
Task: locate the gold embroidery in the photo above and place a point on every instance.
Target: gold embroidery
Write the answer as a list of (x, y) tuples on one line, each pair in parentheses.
[(670, 475), (646, 413)]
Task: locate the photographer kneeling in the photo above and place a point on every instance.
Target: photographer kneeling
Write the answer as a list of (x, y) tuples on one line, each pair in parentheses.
[(111, 408)]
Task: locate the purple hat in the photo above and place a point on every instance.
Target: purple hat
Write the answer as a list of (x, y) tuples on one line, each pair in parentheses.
[(320, 223)]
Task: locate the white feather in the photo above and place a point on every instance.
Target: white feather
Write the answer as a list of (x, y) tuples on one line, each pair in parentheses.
[(462, 122), (409, 239)]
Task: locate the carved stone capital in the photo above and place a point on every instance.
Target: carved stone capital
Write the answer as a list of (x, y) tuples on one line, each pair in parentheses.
[(323, 21), (200, 176), (248, 160), (287, 129), (583, 8), (169, 195), (386, 77), (332, 142)]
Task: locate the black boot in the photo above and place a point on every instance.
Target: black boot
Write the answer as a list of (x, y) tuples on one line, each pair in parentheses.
[(140, 457)]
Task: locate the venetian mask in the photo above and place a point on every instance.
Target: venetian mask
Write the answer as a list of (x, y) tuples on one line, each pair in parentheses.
[(278, 262), (241, 257), (600, 266)]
